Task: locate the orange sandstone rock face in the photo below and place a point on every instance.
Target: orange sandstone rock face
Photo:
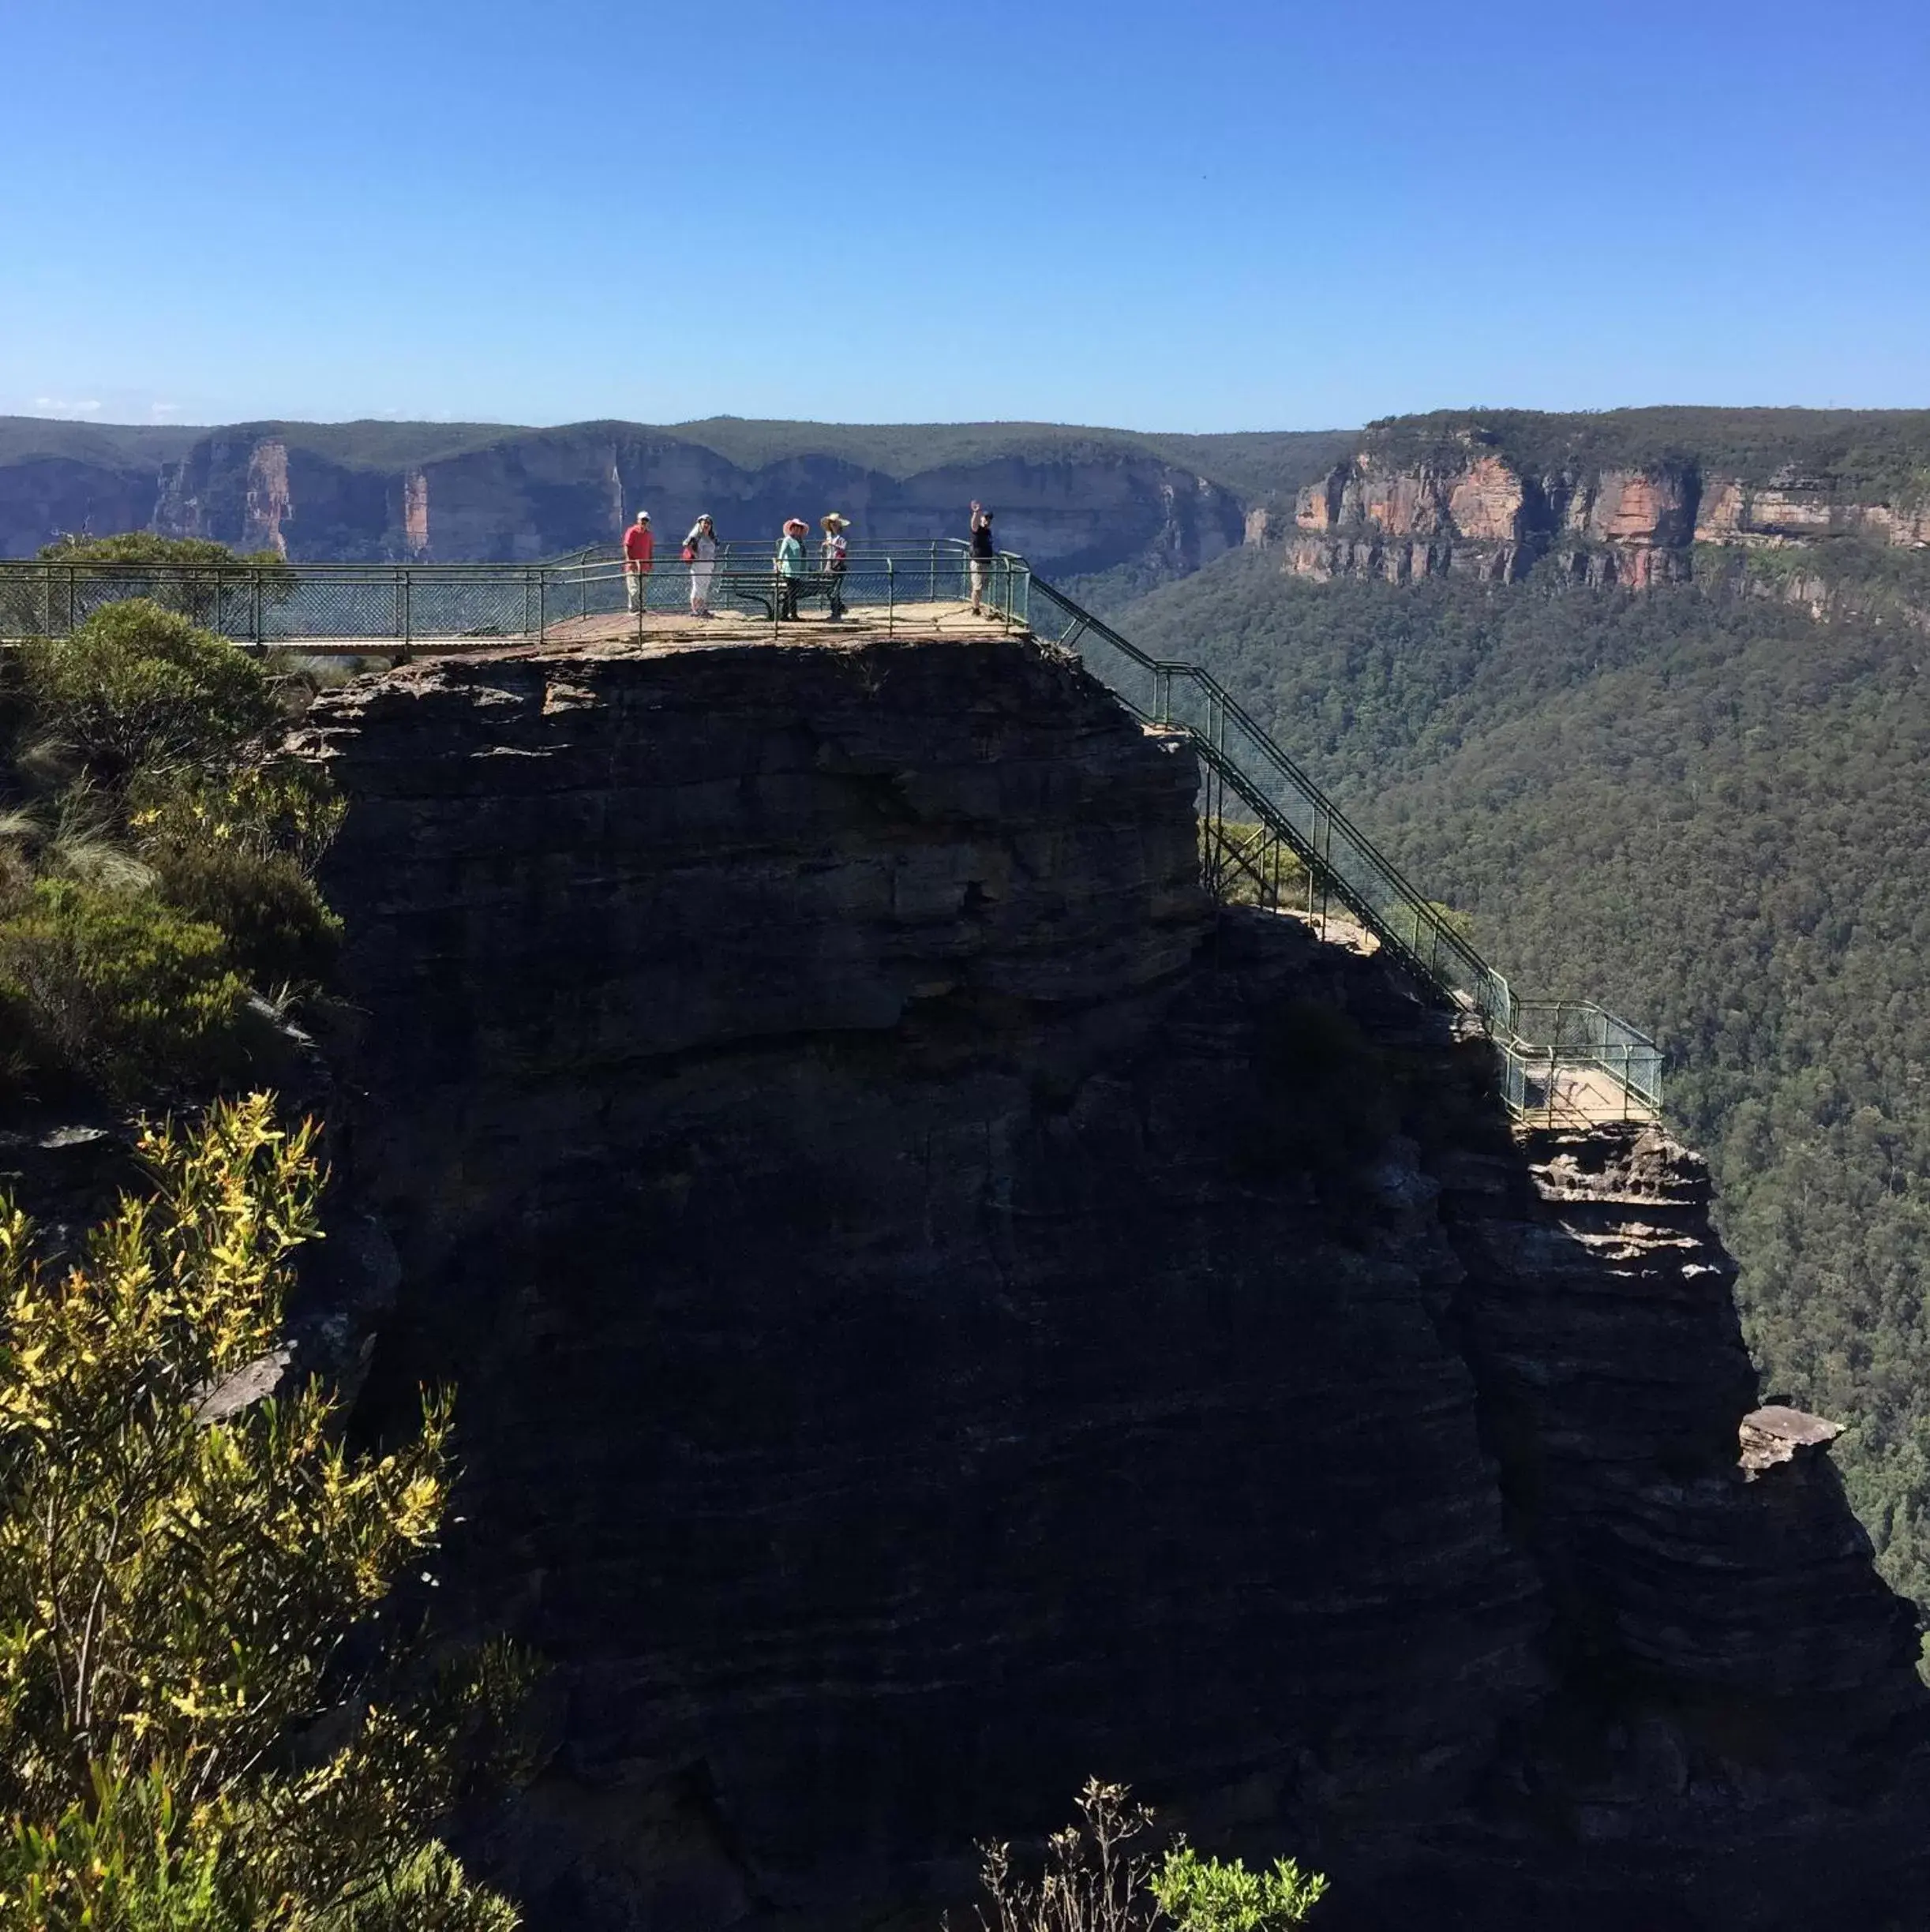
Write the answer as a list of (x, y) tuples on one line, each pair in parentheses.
[(1486, 503), (1792, 508), (1318, 507), (1465, 518), (1907, 526), (268, 504), (1633, 507), (415, 513)]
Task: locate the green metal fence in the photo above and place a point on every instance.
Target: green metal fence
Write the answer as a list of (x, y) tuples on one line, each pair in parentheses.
[(1562, 1060), (1569, 1056), (1560, 1057), (344, 606)]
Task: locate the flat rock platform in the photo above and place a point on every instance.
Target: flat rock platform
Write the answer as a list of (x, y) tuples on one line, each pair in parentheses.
[(674, 628)]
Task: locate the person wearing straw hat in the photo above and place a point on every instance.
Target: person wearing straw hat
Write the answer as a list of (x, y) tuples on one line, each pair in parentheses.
[(836, 552), (700, 553), (790, 564), (639, 548)]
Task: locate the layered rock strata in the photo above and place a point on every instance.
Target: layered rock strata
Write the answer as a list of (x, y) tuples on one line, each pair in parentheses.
[(939, 1312), (1466, 511)]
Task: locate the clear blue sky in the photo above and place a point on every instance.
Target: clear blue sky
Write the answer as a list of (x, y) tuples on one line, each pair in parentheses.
[(1201, 215)]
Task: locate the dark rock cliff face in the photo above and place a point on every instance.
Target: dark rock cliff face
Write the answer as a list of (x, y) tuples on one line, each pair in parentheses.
[(939, 1312)]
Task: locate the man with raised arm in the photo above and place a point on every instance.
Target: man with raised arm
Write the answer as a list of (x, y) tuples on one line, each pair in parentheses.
[(982, 554)]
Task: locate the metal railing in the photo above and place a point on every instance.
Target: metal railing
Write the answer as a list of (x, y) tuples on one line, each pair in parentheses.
[(404, 606), (1571, 1059), (1560, 1058)]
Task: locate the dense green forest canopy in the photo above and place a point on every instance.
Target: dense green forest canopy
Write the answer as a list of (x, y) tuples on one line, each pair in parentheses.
[(1870, 455), (1710, 813)]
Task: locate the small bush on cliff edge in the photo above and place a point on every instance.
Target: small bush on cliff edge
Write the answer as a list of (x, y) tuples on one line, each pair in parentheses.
[(1096, 1879), (212, 1717), (156, 854), (137, 687)]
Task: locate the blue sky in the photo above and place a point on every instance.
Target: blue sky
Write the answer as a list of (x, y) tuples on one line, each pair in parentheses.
[(1211, 215)]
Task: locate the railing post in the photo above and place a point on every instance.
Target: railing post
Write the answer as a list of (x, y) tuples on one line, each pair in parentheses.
[(408, 608), (256, 605), (891, 592), (543, 606), (70, 595), (932, 592)]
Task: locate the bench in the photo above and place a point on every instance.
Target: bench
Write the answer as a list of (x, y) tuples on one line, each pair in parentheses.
[(764, 588)]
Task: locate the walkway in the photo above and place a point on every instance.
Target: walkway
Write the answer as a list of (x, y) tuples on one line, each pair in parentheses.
[(672, 628)]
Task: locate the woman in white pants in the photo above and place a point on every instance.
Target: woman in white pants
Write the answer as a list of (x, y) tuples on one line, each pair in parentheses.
[(700, 549)]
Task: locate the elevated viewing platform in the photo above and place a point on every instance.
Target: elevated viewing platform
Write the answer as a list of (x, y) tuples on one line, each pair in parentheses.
[(1269, 835)]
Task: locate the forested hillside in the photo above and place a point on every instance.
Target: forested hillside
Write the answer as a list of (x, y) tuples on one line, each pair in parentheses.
[(1711, 814)]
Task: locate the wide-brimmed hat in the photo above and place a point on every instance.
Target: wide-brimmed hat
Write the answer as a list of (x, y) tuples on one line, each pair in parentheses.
[(792, 523), (836, 517)]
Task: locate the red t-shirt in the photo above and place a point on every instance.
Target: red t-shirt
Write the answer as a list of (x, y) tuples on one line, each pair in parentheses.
[(639, 545)]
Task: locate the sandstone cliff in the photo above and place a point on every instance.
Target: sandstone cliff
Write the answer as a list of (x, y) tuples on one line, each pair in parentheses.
[(940, 1310), (321, 494), (1402, 509)]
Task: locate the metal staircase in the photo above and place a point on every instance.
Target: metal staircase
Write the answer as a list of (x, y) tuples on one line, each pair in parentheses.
[(1563, 1063)]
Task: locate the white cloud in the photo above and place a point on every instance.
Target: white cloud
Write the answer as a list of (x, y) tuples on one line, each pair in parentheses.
[(161, 411), (58, 406)]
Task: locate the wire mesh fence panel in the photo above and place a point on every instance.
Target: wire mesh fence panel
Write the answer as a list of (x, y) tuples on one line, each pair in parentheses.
[(340, 607), (575, 593), (1126, 671)]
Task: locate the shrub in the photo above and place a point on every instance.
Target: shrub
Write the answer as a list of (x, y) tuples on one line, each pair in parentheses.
[(277, 927), (273, 805), (136, 686), (1207, 1895), (232, 847), (119, 987), (194, 570), (197, 1734), (1096, 1879)]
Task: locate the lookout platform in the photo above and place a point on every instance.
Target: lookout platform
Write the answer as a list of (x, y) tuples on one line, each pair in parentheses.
[(672, 628)]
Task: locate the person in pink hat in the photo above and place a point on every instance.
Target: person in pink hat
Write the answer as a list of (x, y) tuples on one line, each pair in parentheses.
[(790, 563)]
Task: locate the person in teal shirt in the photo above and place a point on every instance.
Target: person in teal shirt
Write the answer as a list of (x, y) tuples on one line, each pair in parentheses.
[(790, 564)]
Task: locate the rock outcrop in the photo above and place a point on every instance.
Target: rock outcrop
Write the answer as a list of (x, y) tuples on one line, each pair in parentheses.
[(1466, 509), (939, 1311)]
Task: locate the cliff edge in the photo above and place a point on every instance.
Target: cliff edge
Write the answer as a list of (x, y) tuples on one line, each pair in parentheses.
[(940, 1309)]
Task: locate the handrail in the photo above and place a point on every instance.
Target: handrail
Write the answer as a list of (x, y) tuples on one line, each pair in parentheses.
[(1562, 1060)]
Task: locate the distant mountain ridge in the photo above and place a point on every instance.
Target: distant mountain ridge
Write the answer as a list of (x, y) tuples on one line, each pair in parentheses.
[(1623, 498), (1085, 502)]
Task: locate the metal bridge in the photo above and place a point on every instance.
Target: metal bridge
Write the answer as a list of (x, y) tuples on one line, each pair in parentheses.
[(1269, 835)]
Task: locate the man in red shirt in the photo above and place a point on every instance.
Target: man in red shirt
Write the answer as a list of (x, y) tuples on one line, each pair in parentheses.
[(639, 547)]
